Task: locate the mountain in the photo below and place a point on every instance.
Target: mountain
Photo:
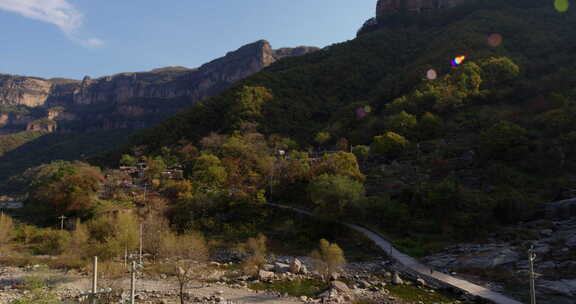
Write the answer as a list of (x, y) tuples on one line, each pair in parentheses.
[(93, 115), (130, 100)]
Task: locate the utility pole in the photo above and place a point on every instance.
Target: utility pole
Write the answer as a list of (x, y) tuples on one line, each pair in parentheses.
[(95, 280), (62, 218), (133, 283), (141, 233), (531, 259)]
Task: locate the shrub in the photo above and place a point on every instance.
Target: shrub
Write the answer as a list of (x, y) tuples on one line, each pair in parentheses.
[(6, 229), (257, 249), (52, 242), (328, 258)]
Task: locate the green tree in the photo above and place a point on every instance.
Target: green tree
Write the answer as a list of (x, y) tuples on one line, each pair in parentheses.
[(322, 138), (430, 126), (128, 160), (341, 163), (497, 71), (209, 171), (402, 123), (391, 145), (505, 141), (361, 152), (332, 194), (328, 258), (248, 103)]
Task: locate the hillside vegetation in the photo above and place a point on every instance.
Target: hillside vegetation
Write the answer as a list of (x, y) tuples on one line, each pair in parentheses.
[(456, 153)]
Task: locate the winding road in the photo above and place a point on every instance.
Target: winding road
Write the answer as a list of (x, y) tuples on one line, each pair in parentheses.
[(421, 269)]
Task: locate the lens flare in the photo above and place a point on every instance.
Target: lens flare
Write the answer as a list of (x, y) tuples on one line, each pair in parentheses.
[(431, 74), (562, 5), (495, 40), (361, 113), (458, 60)]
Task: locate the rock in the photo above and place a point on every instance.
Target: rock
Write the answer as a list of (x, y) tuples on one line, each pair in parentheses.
[(546, 232), (296, 266), (571, 241), (304, 270), (421, 282), (163, 276), (334, 276), (281, 267), (341, 287), (363, 284), (304, 299), (268, 267), (396, 280), (266, 276), (564, 287), (215, 264), (490, 259)]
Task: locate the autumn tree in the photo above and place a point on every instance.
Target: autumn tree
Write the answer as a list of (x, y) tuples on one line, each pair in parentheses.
[(63, 188), (328, 259)]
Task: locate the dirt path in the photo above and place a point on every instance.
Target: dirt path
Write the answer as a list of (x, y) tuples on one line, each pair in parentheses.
[(423, 270)]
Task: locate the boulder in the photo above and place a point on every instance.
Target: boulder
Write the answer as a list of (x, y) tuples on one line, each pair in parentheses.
[(571, 241), (265, 276), (421, 282), (396, 279), (268, 267), (304, 270), (296, 266), (341, 287), (363, 284), (281, 268), (334, 276)]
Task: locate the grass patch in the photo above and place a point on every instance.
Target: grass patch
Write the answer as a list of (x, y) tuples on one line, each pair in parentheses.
[(415, 294), (309, 288)]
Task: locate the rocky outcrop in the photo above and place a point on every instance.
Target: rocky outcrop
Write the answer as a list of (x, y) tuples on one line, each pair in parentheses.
[(19, 90), (133, 100), (166, 83)]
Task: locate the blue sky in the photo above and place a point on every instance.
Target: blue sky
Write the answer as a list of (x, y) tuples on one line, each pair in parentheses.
[(73, 38)]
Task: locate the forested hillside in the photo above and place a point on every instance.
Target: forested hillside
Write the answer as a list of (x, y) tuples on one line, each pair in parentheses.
[(452, 146)]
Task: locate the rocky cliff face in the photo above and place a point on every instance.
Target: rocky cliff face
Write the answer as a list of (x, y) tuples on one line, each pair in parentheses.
[(16, 90), (165, 84)]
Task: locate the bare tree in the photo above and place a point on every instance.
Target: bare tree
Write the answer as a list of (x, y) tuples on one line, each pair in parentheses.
[(192, 251)]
